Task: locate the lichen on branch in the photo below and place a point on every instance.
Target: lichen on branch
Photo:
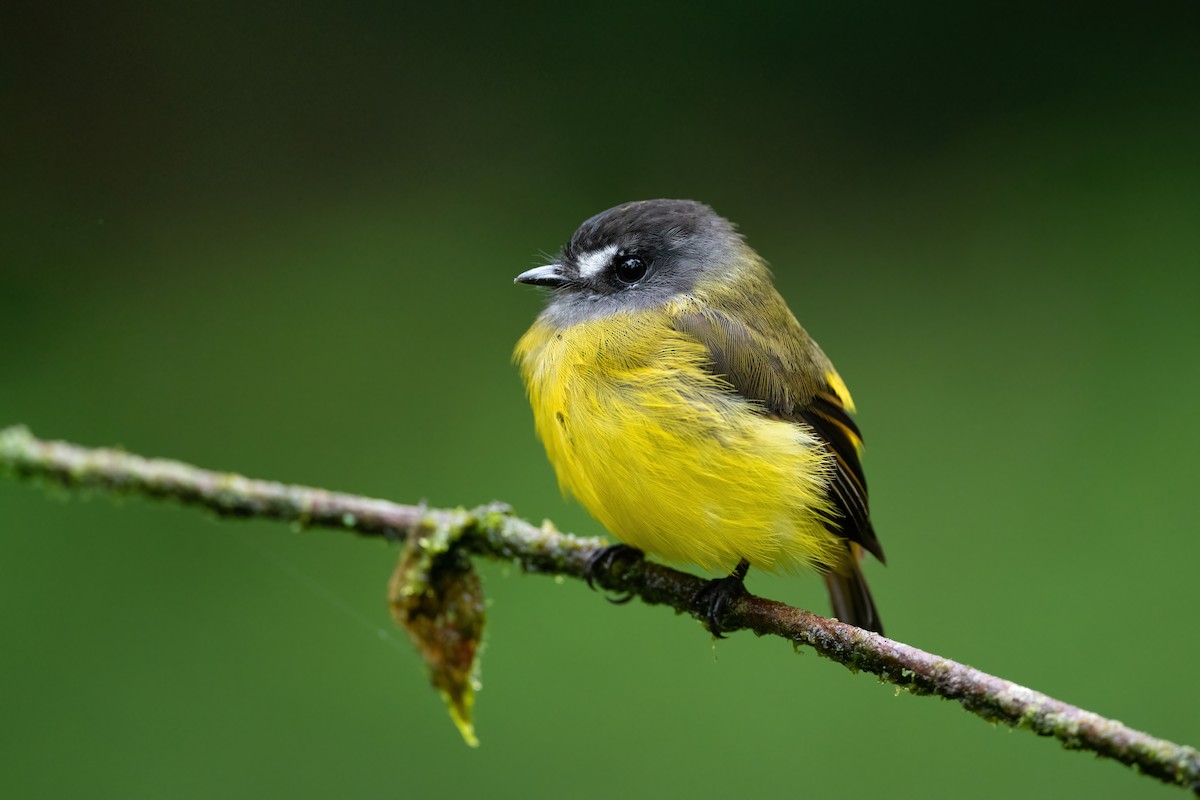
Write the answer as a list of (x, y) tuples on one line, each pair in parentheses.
[(493, 532)]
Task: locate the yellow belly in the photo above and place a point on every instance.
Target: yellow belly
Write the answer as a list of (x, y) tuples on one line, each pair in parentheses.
[(666, 456)]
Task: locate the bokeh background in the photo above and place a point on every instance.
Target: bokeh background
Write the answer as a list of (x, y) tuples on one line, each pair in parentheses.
[(280, 240)]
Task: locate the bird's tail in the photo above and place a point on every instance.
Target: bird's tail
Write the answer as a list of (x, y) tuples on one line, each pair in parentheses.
[(851, 598)]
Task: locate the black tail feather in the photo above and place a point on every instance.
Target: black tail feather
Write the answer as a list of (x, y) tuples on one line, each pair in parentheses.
[(851, 599)]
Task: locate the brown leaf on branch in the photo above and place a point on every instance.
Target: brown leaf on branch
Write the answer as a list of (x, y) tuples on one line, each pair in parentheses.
[(437, 598)]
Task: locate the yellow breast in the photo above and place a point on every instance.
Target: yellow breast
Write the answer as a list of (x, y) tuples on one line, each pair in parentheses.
[(665, 455)]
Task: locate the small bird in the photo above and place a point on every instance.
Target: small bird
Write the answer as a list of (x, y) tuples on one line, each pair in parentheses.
[(685, 407)]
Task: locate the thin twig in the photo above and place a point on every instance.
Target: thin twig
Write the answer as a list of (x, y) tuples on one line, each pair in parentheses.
[(493, 532)]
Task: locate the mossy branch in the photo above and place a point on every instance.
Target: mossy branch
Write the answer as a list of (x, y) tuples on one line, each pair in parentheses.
[(492, 532)]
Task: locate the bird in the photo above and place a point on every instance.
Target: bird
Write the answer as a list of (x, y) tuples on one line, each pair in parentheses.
[(685, 407)]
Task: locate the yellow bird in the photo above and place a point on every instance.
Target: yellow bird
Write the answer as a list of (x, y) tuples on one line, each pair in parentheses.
[(685, 407)]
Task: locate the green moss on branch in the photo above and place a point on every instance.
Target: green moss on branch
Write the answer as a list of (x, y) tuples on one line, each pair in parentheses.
[(493, 532)]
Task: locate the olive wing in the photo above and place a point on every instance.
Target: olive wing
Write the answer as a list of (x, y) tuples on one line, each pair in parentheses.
[(793, 380)]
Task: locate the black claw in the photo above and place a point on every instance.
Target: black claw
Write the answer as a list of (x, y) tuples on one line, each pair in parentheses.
[(718, 594), (602, 562)]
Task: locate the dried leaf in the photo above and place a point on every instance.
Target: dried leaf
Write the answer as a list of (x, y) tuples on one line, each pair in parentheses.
[(438, 599)]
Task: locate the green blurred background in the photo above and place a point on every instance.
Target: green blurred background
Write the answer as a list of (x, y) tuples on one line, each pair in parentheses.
[(280, 240)]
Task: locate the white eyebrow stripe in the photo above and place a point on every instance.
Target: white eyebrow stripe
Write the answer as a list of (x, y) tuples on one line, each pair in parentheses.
[(591, 264)]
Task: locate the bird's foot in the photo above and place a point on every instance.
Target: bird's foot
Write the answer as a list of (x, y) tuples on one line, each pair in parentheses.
[(602, 562), (714, 600)]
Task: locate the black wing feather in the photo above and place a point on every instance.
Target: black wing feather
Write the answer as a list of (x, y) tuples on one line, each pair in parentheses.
[(826, 415)]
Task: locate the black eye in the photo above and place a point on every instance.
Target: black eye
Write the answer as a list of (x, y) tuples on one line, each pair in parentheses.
[(629, 269)]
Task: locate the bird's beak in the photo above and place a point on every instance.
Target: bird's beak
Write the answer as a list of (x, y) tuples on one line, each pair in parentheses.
[(549, 275)]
